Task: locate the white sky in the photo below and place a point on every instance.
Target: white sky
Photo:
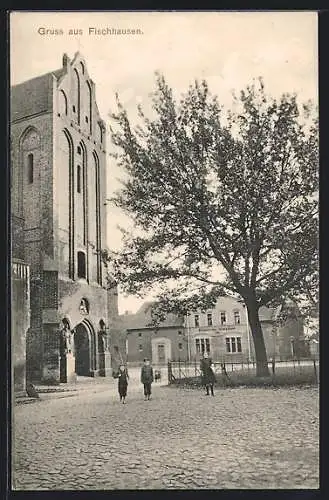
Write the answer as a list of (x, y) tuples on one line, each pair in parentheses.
[(228, 49)]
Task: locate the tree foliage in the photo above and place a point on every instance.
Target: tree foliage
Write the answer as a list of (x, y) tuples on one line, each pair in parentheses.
[(222, 202)]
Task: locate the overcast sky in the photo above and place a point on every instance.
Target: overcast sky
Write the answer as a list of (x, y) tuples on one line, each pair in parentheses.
[(227, 49)]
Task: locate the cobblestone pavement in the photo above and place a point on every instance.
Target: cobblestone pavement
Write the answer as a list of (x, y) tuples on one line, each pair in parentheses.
[(241, 438)]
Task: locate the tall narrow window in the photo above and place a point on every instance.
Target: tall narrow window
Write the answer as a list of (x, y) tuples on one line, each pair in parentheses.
[(223, 318), (97, 221), (90, 106), (81, 265), (196, 320), (77, 93), (79, 178), (62, 103), (209, 319), (30, 168), (237, 320)]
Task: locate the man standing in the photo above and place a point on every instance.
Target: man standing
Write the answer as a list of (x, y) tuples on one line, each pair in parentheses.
[(147, 378)]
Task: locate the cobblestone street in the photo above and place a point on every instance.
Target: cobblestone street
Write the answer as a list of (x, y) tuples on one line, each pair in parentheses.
[(241, 438)]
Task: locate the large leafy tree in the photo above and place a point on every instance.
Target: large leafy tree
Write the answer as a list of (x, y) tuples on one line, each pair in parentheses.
[(221, 202)]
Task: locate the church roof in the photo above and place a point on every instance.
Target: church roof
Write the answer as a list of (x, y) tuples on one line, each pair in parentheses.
[(32, 97)]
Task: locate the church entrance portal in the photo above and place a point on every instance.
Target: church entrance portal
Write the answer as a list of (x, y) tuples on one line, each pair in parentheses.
[(84, 346)]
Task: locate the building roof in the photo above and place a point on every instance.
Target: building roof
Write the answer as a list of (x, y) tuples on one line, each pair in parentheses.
[(32, 97), (142, 318)]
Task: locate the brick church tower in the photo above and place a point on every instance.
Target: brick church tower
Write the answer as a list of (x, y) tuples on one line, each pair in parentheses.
[(58, 147)]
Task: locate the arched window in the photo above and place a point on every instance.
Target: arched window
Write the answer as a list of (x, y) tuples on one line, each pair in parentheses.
[(66, 205), (90, 104), (30, 168), (77, 96), (81, 265), (63, 102), (97, 221), (79, 178), (100, 133)]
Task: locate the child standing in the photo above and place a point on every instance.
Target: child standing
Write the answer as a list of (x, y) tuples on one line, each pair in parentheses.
[(123, 383), (208, 376), (147, 378)]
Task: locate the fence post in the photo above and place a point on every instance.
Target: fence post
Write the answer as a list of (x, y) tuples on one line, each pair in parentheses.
[(179, 369), (169, 373), (315, 371), (195, 367), (273, 366)]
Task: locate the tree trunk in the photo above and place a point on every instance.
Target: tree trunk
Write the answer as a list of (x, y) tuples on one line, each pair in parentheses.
[(259, 344)]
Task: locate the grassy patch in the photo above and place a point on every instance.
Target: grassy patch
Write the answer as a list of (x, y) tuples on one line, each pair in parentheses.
[(282, 377)]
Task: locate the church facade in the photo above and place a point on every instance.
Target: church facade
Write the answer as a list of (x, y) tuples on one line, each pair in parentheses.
[(58, 176)]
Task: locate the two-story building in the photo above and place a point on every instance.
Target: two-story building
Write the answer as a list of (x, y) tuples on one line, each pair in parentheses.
[(223, 331)]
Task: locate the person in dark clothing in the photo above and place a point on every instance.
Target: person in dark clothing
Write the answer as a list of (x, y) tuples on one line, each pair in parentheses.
[(147, 379), (207, 374), (123, 383)]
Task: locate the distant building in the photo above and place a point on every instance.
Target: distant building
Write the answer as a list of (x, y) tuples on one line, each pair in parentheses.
[(58, 163), (161, 344), (223, 331)]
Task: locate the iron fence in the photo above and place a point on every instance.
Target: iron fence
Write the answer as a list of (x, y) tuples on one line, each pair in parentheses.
[(227, 370)]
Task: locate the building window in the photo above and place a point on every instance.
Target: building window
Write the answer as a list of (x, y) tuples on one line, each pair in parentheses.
[(79, 150), (237, 319), (233, 344), (139, 334), (223, 318), (81, 265), (209, 319), (79, 178), (202, 345), (180, 346), (30, 168), (180, 333), (86, 118), (196, 320), (73, 107), (140, 347)]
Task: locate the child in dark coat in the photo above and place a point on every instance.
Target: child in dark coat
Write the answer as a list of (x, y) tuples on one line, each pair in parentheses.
[(123, 383), (208, 376)]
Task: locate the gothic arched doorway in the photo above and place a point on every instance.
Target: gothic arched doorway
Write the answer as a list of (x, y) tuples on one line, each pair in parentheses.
[(84, 346)]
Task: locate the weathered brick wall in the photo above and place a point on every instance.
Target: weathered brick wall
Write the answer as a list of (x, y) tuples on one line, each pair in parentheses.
[(33, 134), (17, 237), (20, 322)]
